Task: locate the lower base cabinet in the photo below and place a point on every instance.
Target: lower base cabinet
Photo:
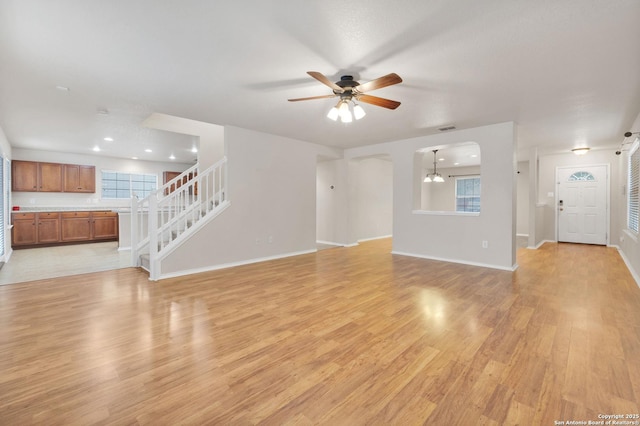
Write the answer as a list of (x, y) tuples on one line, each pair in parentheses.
[(55, 228), (76, 226)]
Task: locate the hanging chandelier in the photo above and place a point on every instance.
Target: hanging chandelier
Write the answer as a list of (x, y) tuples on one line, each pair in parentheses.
[(435, 176)]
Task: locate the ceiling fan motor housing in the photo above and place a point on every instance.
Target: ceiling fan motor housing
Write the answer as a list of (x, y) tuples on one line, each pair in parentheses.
[(347, 83)]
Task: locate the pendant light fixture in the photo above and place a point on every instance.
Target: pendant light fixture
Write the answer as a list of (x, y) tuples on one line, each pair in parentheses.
[(435, 176)]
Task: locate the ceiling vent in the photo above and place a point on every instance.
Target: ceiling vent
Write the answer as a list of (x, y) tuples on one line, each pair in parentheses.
[(447, 128)]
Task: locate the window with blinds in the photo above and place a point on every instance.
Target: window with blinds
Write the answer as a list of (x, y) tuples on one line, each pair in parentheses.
[(468, 194), (634, 186), (2, 224)]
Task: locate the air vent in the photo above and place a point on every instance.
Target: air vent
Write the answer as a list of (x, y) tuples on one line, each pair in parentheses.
[(444, 129)]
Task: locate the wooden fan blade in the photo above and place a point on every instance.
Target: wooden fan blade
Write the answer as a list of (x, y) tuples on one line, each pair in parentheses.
[(312, 97), (379, 83), (381, 102), (324, 80)]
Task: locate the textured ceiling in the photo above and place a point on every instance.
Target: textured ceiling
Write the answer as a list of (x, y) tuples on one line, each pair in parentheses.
[(566, 71)]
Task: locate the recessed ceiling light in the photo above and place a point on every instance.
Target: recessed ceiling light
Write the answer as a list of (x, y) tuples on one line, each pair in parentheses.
[(134, 158), (194, 149), (96, 148), (455, 164), (172, 157), (147, 150), (440, 159), (474, 155), (62, 88), (108, 139)]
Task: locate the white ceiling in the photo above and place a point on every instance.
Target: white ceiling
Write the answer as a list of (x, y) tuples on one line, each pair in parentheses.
[(567, 71)]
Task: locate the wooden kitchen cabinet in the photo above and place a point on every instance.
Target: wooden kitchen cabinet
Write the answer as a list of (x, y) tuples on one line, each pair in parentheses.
[(49, 177), (24, 176), (104, 225), (24, 231), (35, 228), (75, 226), (48, 225), (31, 176), (167, 176), (55, 228), (78, 178)]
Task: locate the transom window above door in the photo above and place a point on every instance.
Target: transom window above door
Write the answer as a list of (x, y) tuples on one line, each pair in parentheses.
[(581, 176)]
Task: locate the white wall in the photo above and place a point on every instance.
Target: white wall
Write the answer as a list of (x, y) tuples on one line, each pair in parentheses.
[(522, 207), (272, 190), (372, 203), (330, 195), (547, 188), (56, 199), (454, 237)]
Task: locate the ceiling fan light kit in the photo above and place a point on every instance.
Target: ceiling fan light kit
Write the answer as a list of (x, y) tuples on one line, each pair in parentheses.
[(349, 91)]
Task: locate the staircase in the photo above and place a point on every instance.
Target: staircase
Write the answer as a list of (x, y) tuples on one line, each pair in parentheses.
[(166, 218)]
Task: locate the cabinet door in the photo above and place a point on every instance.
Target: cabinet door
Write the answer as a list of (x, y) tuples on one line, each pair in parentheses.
[(87, 178), (24, 176), (79, 178), (49, 177), (24, 229), (105, 225), (75, 226), (166, 177), (48, 228)]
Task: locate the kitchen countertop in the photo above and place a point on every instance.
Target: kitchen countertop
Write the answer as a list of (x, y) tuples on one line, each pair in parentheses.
[(66, 209)]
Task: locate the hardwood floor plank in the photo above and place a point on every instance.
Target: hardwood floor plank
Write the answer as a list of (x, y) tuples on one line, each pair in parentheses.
[(343, 336)]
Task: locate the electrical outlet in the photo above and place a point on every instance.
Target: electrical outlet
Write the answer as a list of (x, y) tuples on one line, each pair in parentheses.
[(485, 244)]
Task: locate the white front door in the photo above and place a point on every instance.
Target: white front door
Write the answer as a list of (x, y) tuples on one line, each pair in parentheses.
[(582, 204)]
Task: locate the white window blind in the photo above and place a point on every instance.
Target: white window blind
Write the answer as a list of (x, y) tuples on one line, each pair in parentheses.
[(468, 194), (2, 230), (634, 187)]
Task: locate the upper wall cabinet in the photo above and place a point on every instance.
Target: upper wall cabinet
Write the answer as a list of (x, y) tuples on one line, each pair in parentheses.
[(31, 176), (79, 178)]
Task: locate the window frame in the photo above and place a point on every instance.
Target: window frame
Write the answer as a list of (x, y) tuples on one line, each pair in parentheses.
[(633, 191), (479, 195), (129, 187)]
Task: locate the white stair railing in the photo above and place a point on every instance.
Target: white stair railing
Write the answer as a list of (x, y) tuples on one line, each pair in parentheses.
[(171, 213)]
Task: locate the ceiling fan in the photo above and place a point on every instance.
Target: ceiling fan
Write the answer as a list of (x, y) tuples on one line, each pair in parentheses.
[(350, 90)]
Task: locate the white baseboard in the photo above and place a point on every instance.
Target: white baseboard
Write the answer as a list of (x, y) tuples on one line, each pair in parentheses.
[(633, 272), (329, 243), (441, 259), (522, 235), (233, 264), (375, 238), (541, 243), (124, 248)]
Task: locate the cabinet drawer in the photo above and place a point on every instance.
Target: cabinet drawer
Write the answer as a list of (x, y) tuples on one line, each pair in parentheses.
[(23, 216), (66, 215), (48, 215), (104, 214)]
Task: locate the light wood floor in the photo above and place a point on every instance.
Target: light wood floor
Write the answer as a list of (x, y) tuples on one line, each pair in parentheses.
[(343, 336)]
